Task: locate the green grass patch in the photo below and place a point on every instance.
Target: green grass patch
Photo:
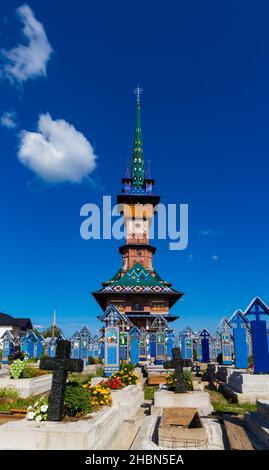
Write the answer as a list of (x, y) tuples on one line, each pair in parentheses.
[(99, 372), (80, 378), (149, 391), (9, 393), (16, 403), (222, 404)]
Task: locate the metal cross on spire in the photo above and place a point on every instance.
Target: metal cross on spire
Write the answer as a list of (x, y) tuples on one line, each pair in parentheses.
[(138, 92), (138, 171)]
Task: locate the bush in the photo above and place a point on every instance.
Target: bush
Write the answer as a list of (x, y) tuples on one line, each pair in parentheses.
[(33, 360), (188, 379), (77, 400), (16, 369), (126, 366), (91, 360), (28, 373), (171, 380), (113, 383), (16, 354), (31, 372), (126, 375), (186, 362), (39, 411), (100, 395), (44, 355), (219, 358)]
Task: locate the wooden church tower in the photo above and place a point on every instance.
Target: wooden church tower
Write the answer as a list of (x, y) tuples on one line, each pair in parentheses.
[(137, 291)]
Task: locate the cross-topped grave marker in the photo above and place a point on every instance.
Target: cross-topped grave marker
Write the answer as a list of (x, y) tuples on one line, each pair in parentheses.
[(240, 326), (176, 364), (259, 335), (61, 364)]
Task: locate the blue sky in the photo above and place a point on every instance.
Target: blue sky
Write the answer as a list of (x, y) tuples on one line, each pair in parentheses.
[(204, 69)]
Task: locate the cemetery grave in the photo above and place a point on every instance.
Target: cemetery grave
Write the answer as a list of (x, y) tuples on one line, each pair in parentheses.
[(258, 423), (181, 428), (179, 412)]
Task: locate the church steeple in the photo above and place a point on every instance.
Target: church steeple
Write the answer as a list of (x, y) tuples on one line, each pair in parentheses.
[(138, 171)]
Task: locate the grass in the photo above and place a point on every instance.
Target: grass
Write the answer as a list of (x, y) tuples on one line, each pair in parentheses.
[(9, 393), (221, 404), (99, 371), (80, 378), (14, 400), (149, 391)]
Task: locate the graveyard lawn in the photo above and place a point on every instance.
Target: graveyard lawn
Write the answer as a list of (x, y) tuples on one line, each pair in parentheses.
[(80, 378), (149, 391), (10, 399), (224, 405)]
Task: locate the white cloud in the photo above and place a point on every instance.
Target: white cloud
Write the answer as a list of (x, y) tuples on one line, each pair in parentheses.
[(215, 258), (9, 119), (57, 152), (27, 61)]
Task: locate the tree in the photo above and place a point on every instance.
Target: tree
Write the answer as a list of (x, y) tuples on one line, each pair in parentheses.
[(37, 332), (48, 332)]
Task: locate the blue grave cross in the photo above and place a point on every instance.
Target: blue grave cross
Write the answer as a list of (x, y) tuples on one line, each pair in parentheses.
[(259, 335), (240, 339), (205, 335)]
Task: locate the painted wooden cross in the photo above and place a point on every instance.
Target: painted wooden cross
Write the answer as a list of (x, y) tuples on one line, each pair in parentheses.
[(177, 365), (61, 364)]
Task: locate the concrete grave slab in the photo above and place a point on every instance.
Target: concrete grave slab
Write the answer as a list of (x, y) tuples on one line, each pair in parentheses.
[(258, 423), (27, 387), (247, 388), (163, 398), (95, 432)]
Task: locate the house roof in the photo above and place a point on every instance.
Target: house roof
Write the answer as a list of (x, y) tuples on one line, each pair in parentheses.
[(8, 320)]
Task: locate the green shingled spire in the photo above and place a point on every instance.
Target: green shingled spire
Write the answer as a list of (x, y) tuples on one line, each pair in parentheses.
[(138, 172)]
